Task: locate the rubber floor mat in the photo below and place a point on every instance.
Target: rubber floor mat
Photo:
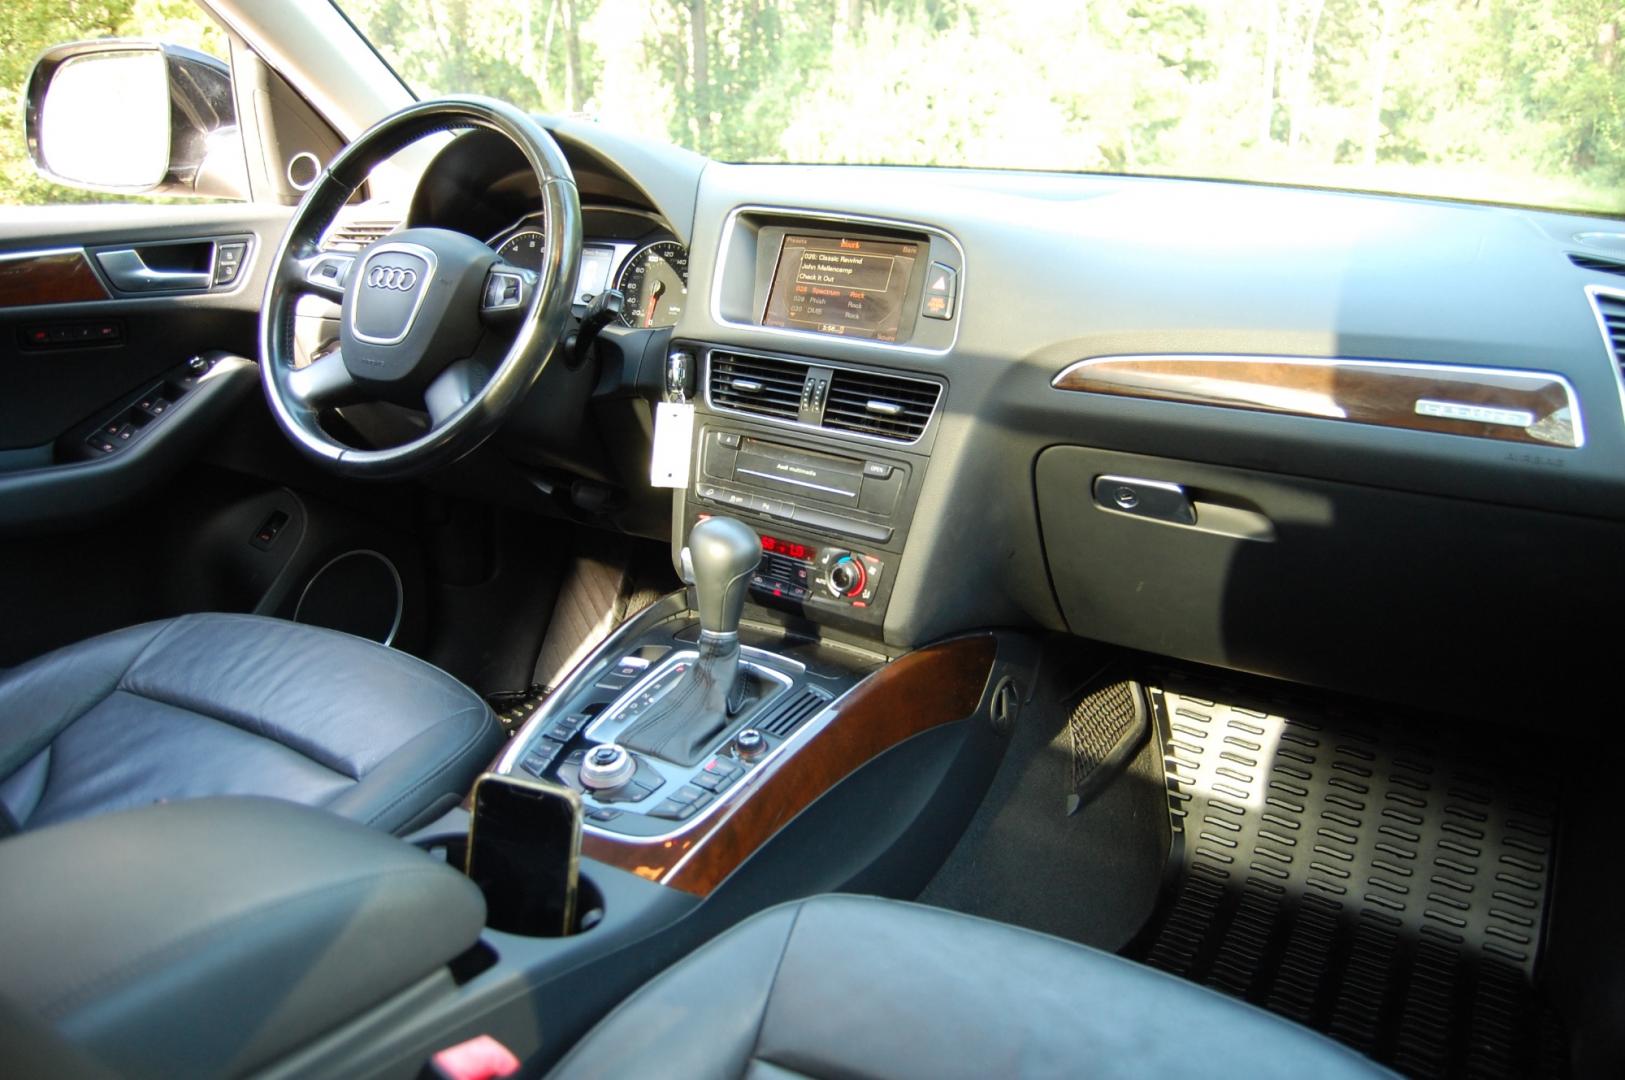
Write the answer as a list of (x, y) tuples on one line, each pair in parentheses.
[(1380, 882)]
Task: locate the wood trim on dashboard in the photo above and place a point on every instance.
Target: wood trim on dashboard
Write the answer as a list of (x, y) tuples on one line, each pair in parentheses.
[(1486, 403), (915, 693), (48, 277)]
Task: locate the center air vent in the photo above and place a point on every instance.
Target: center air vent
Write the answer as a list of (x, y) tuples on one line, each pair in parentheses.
[(1603, 266), (885, 406), (1611, 309), (875, 404), (766, 386)]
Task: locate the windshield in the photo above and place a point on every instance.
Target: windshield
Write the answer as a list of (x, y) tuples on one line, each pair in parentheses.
[(1473, 99)]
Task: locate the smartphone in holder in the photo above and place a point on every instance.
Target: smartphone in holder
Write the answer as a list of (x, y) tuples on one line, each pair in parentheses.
[(524, 852)]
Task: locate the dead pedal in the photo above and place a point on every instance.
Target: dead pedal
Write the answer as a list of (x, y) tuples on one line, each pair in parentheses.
[(1104, 730)]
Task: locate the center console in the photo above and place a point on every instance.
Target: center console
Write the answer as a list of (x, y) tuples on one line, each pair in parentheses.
[(821, 441)]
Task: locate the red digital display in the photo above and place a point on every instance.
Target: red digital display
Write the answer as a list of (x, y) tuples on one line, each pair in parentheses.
[(785, 547)]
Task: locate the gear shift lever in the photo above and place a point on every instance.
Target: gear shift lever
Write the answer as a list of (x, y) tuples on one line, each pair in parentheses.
[(722, 552), (683, 726)]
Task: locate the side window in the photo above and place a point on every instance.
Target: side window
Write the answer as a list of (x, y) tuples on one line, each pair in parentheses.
[(109, 149)]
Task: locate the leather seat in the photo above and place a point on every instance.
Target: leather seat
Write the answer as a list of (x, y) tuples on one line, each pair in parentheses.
[(237, 705), (853, 986)]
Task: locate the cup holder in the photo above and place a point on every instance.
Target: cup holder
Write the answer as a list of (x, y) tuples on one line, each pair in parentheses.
[(589, 898)]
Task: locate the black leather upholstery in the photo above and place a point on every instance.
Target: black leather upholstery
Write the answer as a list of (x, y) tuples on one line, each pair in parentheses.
[(214, 936), (238, 705), (853, 986)]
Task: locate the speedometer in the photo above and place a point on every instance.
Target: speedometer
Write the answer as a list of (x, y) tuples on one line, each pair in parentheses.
[(655, 284)]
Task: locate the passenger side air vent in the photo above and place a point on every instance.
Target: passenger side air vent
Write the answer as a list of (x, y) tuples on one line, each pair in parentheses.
[(786, 716), (1591, 262), (885, 406), (1611, 309), (766, 386), (355, 235)]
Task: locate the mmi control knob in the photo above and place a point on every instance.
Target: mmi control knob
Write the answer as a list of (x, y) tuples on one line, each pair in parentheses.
[(847, 576), (607, 767)]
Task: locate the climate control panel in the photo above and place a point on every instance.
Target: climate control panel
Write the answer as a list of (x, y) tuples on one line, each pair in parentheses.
[(805, 574)]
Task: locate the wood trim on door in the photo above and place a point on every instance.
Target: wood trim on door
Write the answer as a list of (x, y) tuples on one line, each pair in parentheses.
[(48, 277)]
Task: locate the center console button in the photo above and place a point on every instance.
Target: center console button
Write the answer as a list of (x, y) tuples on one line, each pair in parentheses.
[(877, 469), (750, 744), (941, 282), (566, 728), (670, 809)]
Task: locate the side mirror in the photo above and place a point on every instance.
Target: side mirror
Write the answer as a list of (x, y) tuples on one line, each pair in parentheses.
[(134, 117)]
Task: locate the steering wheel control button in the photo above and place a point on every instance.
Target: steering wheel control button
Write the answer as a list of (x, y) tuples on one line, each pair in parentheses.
[(1155, 499), (607, 767), (505, 290), (331, 270)]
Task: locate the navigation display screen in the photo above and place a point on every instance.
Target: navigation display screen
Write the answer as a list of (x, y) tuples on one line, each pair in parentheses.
[(855, 287)]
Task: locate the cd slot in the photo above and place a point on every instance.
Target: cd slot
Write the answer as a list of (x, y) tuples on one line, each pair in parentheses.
[(850, 496), (824, 477)]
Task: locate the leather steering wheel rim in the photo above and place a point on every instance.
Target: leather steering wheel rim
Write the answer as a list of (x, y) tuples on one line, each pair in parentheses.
[(297, 395)]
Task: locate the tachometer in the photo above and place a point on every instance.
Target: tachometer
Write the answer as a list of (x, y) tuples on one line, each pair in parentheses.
[(524, 249), (655, 284)]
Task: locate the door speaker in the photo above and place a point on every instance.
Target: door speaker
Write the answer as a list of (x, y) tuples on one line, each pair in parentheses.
[(359, 592)]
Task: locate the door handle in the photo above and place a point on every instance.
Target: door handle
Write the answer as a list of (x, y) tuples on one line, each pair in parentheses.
[(129, 272)]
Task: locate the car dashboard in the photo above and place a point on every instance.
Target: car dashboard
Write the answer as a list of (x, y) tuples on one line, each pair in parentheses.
[(1364, 442)]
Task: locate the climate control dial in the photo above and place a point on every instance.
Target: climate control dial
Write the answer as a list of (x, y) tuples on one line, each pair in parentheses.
[(847, 576)]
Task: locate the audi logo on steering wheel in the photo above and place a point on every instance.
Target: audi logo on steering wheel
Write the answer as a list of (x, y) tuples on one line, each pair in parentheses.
[(399, 278)]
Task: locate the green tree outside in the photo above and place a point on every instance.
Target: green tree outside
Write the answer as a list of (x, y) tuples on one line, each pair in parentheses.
[(1478, 99)]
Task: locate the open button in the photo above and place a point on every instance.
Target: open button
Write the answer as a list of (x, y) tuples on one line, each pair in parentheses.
[(1145, 498)]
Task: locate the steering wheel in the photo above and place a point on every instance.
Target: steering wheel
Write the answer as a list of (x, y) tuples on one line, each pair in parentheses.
[(416, 305)]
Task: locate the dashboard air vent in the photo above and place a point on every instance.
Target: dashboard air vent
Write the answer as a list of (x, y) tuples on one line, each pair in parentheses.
[(1611, 308), (355, 235), (885, 406), (1591, 262), (767, 386)]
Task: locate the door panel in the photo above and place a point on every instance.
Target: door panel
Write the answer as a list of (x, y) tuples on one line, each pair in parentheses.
[(78, 350), (92, 539)]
